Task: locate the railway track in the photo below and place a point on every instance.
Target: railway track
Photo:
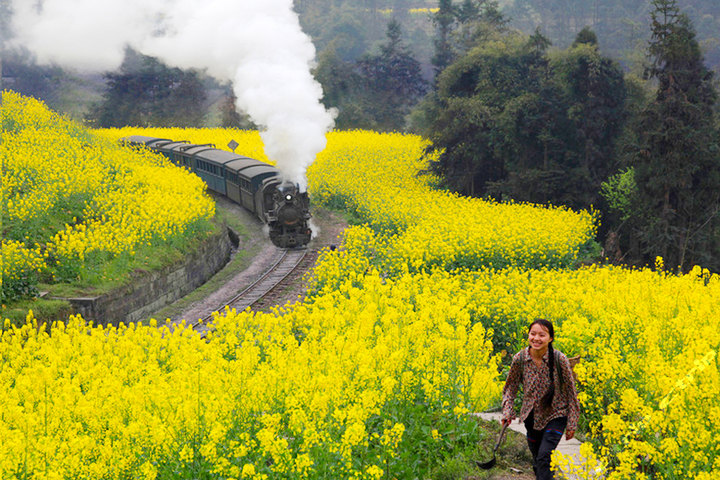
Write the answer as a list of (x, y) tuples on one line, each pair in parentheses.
[(284, 264)]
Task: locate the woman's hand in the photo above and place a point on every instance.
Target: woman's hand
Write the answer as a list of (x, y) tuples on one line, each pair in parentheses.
[(569, 434), (506, 421)]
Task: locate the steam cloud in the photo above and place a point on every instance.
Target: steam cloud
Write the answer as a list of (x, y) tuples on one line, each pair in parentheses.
[(256, 44)]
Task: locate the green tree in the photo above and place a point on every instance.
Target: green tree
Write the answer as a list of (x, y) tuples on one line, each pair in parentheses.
[(443, 20), (343, 90), (463, 146), (550, 123), (466, 134), (678, 167), (229, 115), (145, 92), (24, 76), (393, 80), (377, 90), (596, 108), (459, 28), (536, 132), (346, 28)]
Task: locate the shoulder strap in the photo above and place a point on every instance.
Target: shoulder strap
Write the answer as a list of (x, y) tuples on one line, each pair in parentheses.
[(558, 369)]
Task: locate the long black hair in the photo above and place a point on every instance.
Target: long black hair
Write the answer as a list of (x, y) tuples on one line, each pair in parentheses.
[(547, 399)]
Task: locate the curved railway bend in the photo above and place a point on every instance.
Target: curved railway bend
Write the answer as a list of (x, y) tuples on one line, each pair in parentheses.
[(291, 288), (283, 266), (272, 278)]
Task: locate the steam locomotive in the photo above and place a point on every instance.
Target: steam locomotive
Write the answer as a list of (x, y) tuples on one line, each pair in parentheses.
[(255, 185)]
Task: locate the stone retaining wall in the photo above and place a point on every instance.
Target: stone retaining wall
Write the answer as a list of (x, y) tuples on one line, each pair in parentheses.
[(136, 302)]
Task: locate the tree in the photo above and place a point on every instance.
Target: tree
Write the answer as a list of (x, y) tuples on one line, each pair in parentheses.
[(535, 131), (147, 93), (24, 76), (466, 133), (585, 37), (463, 148), (596, 108), (343, 90), (229, 116), (459, 28), (377, 90), (550, 124), (393, 80), (443, 20), (678, 167), (345, 28)]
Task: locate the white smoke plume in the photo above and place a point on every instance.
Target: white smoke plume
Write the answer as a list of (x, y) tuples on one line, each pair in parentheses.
[(256, 44)]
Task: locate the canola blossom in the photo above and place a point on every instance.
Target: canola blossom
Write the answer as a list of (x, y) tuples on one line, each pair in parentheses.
[(377, 372), (70, 198), (330, 389), (383, 184), (649, 378), (650, 374), (249, 141)]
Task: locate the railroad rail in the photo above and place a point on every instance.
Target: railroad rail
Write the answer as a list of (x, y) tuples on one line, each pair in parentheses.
[(287, 261)]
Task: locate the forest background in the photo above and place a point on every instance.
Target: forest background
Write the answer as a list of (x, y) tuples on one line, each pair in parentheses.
[(593, 104)]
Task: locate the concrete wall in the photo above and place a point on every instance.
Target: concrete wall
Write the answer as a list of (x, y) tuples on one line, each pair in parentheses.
[(150, 293)]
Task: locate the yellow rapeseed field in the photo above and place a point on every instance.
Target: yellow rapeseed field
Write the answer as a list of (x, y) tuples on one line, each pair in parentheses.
[(67, 196), (375, 374)]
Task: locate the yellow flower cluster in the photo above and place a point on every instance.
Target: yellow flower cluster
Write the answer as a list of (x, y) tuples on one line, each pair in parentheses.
[(378, 176), (400, 317), (19, 266), (249, 142), (106, 199), (650, 374), (649, 378), (324, 390)]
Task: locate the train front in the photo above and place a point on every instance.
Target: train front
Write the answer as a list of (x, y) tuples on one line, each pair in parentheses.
[(289, 216)]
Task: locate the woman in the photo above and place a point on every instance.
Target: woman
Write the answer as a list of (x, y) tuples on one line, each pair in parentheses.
[(550, 405)]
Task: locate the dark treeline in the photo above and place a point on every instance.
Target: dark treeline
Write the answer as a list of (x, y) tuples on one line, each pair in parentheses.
[(621, 25), (513, 118), (586, 103)]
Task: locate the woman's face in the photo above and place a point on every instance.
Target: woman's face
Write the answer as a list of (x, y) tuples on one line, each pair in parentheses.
[(539, 338)]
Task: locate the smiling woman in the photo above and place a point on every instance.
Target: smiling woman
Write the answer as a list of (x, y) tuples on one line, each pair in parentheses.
[(550, 404)]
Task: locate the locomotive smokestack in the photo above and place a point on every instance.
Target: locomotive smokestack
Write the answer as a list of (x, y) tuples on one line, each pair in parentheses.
[(258, 45)]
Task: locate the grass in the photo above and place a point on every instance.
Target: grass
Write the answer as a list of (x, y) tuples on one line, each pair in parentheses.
[(512, 457), (44, 310), (113, 272)]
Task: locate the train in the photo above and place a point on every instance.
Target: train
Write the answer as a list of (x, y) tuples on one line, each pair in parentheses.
[(255, 185)]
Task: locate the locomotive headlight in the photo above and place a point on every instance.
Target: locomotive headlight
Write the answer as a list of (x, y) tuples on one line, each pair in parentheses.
[(288, 197)]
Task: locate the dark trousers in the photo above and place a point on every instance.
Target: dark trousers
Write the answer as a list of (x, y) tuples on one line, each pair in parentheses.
[(542, 443)]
